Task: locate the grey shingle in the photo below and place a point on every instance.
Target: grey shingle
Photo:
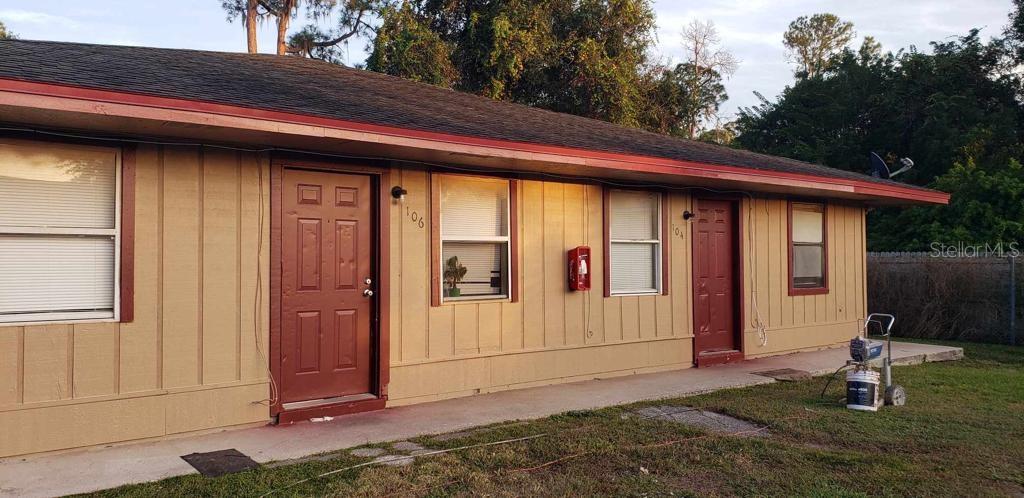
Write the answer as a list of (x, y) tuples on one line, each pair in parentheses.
[(315, 88)]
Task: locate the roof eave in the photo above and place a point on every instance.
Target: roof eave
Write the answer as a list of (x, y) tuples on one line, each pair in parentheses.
[(57, 97)]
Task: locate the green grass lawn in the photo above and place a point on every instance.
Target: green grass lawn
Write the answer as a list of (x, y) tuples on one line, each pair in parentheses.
[(961, 434)]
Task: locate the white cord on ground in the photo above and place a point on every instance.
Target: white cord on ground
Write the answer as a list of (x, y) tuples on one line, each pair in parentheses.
[(376, 462)]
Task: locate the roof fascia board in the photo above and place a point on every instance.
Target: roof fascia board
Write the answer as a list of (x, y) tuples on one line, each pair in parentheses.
[(132, 105)]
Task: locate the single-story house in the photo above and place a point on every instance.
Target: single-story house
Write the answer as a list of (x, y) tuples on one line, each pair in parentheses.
[(195, 240)]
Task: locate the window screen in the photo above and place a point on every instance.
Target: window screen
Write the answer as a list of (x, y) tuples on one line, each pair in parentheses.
[(58, 232), (474, 238), (634, 242), (808, 264)]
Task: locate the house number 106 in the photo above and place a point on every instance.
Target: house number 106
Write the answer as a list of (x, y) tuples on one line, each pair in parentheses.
[(415, 217)]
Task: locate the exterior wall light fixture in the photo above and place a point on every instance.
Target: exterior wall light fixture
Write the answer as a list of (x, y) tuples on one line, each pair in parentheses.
[(398, 193)]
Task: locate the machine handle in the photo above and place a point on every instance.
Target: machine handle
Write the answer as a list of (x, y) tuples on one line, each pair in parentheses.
[(887, 327)]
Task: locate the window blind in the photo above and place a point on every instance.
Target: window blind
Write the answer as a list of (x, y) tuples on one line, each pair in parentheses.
[(56, 187), (46, 274), (633, 267), (635, 215), (473, 207), (634, 241), (58, 232), (475, 228), (807, 224), (483, 262)]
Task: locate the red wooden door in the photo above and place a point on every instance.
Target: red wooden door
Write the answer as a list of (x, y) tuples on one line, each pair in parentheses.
[(326, 248), (713, 277)]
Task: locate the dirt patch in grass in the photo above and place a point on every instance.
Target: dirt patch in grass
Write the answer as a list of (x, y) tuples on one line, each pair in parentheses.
[(961, 434)]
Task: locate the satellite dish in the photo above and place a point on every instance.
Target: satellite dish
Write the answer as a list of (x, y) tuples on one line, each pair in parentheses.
[(881, 170), (878, 167)]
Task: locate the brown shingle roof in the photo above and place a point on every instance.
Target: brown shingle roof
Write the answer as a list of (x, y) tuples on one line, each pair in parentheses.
[(315, 88)]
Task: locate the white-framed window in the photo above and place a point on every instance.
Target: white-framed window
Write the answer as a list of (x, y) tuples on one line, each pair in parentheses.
[(808, 251), (59, 232), (475, 244), (634, 242)]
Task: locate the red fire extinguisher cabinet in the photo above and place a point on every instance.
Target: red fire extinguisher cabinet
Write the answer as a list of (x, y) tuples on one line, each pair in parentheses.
[(579, 268)]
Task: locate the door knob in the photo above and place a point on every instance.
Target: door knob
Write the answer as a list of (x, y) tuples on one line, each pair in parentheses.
[(368, 293)]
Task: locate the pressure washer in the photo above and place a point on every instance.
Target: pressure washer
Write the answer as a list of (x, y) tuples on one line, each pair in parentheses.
[(862, 380)]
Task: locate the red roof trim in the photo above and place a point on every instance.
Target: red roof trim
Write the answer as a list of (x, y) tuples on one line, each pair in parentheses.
[(629, 162)]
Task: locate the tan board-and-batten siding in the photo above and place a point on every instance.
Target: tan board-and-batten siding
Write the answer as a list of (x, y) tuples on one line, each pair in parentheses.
[(555, 335), (795, 323), (190, 360), (550, 334)]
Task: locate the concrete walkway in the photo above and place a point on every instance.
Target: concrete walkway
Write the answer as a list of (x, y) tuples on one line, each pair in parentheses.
[(101, 468)]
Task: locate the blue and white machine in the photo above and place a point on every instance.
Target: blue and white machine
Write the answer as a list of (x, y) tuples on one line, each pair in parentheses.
[(864, 350), (862, 381)]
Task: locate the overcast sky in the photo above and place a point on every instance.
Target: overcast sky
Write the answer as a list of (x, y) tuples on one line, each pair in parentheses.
[(751, 29)]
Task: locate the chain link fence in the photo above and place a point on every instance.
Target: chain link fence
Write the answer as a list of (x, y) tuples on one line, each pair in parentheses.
[(957, 298)]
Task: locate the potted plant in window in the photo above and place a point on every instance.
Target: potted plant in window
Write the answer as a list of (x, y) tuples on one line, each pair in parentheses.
[(454, 272)]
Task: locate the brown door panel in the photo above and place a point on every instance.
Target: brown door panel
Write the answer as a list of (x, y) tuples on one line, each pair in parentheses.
[(714, 282), (326, 253)]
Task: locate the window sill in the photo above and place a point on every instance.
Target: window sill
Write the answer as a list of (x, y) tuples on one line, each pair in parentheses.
[(57, 321), (636, 293), (807, 291), (474, 299)]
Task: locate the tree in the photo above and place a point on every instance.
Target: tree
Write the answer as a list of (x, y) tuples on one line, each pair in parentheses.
[(353, 20), (683, 98), (252, 11), (583, 57), (1015, 30), (248, 10), (870, 49), (284, 11), (311, 41), (721, 134), (6, 34), (707, 62), (954, 111), (813, 41), (986, 207), (407, 48)]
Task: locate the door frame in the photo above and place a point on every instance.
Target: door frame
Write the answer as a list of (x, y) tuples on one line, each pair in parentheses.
[(379, 326), (738, 276)]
